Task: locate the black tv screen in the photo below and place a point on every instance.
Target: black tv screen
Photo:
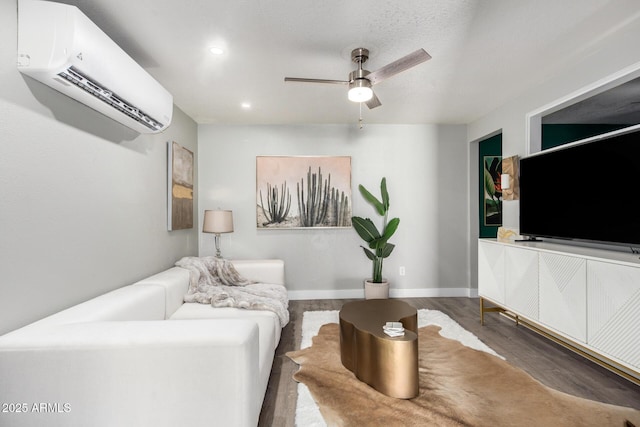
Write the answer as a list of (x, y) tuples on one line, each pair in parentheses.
[(585, 191)]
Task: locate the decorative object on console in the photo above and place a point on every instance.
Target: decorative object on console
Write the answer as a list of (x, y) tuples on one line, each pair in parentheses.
[(378, 241), (506, 234), (180, 186), (323, 189), (509, 180), (217, 222)]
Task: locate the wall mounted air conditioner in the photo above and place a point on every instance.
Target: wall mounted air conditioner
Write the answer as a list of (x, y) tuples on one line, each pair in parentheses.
[(59, 46)]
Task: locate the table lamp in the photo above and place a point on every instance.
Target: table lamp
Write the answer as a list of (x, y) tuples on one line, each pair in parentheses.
[(217, 222)]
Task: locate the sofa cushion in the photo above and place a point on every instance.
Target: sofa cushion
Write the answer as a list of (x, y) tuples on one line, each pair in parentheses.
[(268, 324), (127, 303), (263, 270), (174, 282)]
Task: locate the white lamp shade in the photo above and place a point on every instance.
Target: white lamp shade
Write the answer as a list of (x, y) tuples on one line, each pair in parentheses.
[(218, 221)]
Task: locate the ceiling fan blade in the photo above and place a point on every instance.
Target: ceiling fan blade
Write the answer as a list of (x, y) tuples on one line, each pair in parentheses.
[(373, 102), (303, 80), (398, 66)]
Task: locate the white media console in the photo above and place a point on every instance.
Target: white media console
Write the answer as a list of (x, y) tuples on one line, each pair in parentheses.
[(586, 299)]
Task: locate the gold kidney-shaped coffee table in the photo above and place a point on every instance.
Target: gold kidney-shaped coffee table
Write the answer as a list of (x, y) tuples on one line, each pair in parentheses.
[(390, 365)]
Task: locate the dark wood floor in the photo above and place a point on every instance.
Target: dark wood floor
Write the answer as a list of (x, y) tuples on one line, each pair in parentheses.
[(548, 362)]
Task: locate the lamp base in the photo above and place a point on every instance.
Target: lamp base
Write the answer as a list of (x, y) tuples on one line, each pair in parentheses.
[(217, 240)]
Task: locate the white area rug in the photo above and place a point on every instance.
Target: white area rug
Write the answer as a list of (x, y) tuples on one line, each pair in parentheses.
[(307, 412)]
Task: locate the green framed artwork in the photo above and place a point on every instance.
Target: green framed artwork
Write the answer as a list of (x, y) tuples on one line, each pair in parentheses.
[(490, 191), (492, 202)]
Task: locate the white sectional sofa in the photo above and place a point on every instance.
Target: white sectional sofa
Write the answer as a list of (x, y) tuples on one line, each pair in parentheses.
[(139, 356)]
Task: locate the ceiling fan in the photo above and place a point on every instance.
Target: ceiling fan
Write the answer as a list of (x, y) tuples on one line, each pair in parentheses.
[(361, 80)]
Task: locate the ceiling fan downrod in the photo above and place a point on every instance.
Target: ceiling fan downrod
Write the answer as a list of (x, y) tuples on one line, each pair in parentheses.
[(360, 55), (359, 86)]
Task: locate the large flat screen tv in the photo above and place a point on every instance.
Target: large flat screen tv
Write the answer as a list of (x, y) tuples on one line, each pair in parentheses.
[(584, 191)]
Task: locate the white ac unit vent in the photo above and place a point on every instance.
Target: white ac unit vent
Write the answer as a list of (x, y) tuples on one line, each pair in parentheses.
[(60, 47)]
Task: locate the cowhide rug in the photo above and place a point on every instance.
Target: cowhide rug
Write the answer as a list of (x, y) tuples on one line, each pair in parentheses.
[(459, 386)]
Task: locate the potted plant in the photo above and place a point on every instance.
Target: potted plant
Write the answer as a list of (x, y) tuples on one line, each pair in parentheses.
[(379, 247)]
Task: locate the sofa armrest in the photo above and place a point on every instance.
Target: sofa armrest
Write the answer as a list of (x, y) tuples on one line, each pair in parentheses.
[(143, 373), (263, 270)]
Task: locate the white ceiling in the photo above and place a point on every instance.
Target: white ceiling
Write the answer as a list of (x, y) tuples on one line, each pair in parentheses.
[(485, 52)]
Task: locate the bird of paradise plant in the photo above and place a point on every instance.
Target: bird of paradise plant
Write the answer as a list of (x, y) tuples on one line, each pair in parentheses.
[(379, 247)]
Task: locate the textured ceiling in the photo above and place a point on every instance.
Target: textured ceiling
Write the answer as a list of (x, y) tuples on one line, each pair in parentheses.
[(485, 52)]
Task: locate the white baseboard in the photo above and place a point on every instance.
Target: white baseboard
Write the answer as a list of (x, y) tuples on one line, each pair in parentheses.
[(393, 293)]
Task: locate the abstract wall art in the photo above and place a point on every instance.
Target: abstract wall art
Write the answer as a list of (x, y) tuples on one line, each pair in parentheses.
[(180, 187)]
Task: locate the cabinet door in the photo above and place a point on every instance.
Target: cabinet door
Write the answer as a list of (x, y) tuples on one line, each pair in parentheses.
[(521, 281), (563, 294), (491, 271), (613, 310)]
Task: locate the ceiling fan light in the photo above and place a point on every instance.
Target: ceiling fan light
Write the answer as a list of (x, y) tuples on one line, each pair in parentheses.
[(360, 91)]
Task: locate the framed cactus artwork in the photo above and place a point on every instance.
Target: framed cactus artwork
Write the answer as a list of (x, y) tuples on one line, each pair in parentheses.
[(303, 192)]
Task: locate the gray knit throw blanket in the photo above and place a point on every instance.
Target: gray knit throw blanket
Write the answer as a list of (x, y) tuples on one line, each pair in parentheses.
[(215, 281)]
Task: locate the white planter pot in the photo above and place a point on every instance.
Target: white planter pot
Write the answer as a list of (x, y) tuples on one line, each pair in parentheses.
[(376, 290)]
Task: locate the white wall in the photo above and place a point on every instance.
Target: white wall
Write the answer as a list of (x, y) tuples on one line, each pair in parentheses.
[(612, 52), (426, 170), (82, 198)]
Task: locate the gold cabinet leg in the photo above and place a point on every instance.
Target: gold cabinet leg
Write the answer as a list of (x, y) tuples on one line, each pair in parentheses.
[(484, 310)]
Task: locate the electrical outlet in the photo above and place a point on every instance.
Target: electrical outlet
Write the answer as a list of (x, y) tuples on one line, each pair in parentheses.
[(402, 271)]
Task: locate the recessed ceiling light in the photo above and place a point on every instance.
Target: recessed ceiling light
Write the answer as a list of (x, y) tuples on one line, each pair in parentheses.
[(216, 50), (245, 105)]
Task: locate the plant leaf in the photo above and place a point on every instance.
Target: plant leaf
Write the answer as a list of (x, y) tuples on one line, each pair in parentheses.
[(371, 199), (385, 195), (392, 226), (365, 228), (368, 253), (488, 183), (387, 249), (376, 243), (384, 249)]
